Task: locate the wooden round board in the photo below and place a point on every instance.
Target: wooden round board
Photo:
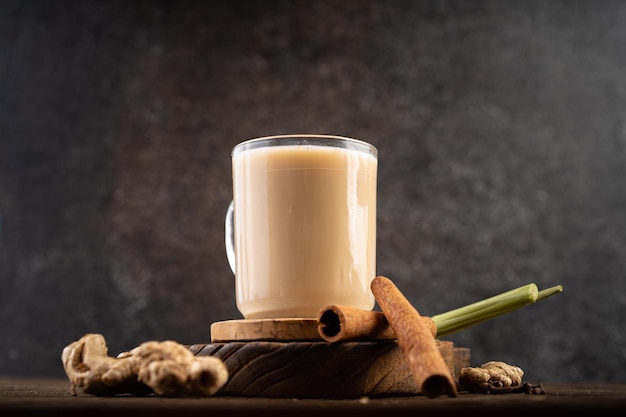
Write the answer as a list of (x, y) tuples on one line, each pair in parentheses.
[(286, 358), (316, 369)]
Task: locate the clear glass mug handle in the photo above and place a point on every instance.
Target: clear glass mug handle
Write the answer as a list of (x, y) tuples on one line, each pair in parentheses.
[(229, 236)]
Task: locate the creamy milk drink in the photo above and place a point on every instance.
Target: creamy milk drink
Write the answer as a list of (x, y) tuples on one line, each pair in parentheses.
[(304, 225)]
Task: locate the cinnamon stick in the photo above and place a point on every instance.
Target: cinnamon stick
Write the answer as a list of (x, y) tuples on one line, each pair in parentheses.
[(417, 342), (339, 323)]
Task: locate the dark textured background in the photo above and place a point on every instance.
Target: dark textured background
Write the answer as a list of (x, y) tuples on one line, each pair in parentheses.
[(501, 127)]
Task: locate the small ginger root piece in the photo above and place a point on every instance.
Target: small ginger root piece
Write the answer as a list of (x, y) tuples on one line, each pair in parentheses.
[(91, 370), (164, 368), (495, 372), (495, 377), (170, 369)]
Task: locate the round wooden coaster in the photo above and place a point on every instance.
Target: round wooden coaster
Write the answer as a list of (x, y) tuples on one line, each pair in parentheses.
[(275, 330)]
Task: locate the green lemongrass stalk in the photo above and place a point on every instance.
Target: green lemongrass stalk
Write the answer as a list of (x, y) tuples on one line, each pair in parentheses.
[(549, 291), (463, 317)]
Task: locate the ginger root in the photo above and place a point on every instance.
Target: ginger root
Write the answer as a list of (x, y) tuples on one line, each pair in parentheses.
[(163, 368), (490, 375)]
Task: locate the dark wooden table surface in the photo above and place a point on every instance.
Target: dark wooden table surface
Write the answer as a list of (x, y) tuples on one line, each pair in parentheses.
[(52, 397)]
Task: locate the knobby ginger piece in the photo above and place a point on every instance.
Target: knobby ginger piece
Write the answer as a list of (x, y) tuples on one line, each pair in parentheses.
[(91, 370), (170, 369), (490, 374), (164, 368)]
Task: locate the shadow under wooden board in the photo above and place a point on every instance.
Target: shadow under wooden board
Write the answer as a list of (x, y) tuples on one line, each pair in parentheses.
[(286, 358)]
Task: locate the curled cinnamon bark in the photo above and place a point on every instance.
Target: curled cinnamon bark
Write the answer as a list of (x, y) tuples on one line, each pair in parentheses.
[(338, 323), (417, 342)]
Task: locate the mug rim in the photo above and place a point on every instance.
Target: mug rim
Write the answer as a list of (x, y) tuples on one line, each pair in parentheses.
[(315, 139)]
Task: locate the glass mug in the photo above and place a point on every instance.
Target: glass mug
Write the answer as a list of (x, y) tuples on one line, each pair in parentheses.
[(301, 229)]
